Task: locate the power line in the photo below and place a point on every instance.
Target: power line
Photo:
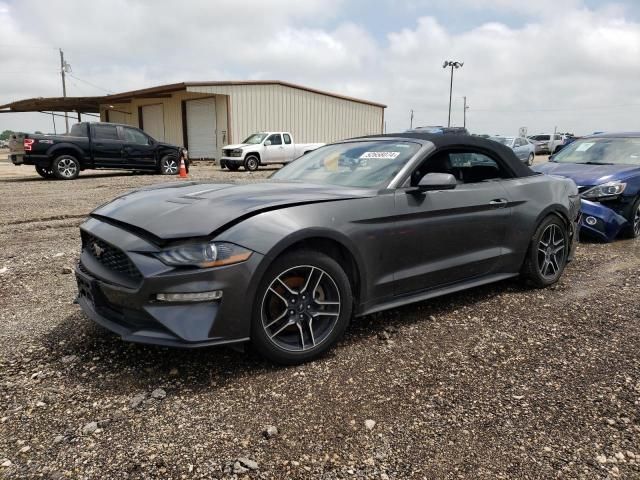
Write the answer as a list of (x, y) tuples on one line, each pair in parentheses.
[(89, 83)]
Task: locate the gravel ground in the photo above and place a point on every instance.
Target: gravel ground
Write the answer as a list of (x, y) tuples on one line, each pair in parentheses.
[(497, 382)]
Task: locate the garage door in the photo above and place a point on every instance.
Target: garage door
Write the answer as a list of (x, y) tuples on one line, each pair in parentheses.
[(153, 121), (201, 128)]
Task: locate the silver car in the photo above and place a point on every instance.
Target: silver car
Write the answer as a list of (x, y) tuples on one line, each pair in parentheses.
[(523, 148)]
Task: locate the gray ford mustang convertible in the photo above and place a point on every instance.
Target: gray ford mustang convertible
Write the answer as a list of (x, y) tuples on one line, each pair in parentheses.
[(349, 229)]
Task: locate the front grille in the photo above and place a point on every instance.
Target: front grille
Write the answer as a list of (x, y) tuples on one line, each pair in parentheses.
[(109, 256)]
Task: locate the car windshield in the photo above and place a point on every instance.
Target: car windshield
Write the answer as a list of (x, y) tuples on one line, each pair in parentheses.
[(353, 164), (612, 151), (255, 139), (540, 137), (503, 140)]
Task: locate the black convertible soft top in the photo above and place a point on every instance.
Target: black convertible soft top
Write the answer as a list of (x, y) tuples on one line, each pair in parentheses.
[(462, 142)]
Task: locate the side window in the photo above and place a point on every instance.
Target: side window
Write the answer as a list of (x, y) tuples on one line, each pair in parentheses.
[(78, 130), (287, 139), (465, 166), (105, 132), (134, 136), (276, 139)]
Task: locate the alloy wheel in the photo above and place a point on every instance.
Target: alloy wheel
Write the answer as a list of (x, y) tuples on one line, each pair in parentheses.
[(170, 166), (67, 168), (636, 222), (551, 251), (300, 308)]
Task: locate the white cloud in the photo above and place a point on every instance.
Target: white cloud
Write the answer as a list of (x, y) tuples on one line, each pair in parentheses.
[(576, 69)]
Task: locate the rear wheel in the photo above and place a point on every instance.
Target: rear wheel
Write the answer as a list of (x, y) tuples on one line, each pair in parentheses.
[(530, 159), (65, 167), (169, 165), (44, 172), (303, 306), (633, 230), (251, 163), (547, 254)]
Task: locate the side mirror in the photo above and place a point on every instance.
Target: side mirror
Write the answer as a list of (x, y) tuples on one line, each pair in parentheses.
[(436, 181), (267, 143)]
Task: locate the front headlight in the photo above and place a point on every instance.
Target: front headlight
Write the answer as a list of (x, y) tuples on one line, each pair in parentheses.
[(610, 189), (203, 255), (236, 153)]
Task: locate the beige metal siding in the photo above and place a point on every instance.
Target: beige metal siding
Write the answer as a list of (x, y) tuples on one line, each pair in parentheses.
[(309, 116)]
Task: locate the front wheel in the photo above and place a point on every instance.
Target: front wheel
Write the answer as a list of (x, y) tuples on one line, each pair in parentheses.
[(251, 163), (633, 230), (65, 167), (44, 172), (547, 254), (303, 306), (530, 159), (168, 165)]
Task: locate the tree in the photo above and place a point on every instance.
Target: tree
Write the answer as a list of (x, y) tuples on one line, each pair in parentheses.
[(5, 135)]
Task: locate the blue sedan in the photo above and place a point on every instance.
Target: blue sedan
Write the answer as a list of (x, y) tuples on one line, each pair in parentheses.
[(606, 169)]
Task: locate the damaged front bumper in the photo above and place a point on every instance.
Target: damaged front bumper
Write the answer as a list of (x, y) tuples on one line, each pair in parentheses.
[(600, 222)]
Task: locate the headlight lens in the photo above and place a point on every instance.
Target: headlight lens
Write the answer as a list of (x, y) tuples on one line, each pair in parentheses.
[(203, 255), (236, 153), (610, 189)]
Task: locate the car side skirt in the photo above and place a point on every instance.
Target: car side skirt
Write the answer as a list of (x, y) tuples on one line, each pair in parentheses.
[(438, 292)]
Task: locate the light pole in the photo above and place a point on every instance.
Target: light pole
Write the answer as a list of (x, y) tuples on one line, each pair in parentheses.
[(465, 108), (453, 64)]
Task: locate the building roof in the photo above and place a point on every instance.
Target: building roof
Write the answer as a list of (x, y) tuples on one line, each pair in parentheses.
[(173, 87), (56, 104)]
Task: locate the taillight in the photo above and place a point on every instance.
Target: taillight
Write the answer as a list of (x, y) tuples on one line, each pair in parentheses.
[(28, 144)]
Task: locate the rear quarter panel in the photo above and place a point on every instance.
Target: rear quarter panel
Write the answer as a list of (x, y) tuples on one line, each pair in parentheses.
[(532, 199)]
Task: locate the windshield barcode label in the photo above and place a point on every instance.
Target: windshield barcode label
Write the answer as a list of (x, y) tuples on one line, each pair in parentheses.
[(385, 155)]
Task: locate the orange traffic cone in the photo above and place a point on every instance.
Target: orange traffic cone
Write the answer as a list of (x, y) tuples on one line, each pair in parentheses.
[(183, 168)]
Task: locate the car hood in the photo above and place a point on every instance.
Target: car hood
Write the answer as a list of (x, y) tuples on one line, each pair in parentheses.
[(239, 145), (164, 144), (183, 210), (588, 175)]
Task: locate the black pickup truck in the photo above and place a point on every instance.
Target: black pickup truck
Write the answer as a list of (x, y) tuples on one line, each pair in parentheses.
[(95, 145)]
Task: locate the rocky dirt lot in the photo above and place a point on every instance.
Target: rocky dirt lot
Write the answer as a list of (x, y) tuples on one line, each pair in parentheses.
[(498, 382)]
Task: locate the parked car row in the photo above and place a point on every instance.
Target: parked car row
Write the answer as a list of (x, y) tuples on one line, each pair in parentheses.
[(521, 146)]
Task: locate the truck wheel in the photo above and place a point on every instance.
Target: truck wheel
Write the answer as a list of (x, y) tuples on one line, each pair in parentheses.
[(44, 172), (169, 165), (251, 163), (66, 167)]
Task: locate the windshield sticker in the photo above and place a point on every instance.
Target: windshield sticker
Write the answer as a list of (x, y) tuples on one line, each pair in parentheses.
[(383, 155), (583, 147)]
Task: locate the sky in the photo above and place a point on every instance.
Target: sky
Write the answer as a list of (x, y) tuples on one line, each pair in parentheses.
[(573, 65)]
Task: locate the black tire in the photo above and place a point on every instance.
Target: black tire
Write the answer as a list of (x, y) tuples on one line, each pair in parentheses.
[(169, 165), (233, 167), (530, 159), (44, 172), (299, 331), (66, 167), (251, 163), (633, 230), (222, 164), (547, 254)]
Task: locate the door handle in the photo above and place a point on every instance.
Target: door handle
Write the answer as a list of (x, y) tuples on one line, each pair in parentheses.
[(498, 203)]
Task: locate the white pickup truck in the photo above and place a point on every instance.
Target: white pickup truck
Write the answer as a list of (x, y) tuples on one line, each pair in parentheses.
[(264, 148)]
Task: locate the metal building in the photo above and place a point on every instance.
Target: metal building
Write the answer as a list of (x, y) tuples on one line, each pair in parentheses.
[(205, 116)]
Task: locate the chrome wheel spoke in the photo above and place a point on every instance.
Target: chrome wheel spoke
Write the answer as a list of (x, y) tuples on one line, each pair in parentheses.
[(291, 291), (276, 320), (281, 329)]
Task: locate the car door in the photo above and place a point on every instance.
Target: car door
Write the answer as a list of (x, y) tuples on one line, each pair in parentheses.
[(106, 145), (289, 149), (522, 152), (448, 236), (274, 151), (138, 150)]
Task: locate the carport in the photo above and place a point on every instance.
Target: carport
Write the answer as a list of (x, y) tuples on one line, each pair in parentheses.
[(56, 106)]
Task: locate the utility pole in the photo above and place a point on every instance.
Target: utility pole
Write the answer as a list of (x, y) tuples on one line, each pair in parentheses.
[(64, 68), (466, 107), (411, 121), (453, 64)]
